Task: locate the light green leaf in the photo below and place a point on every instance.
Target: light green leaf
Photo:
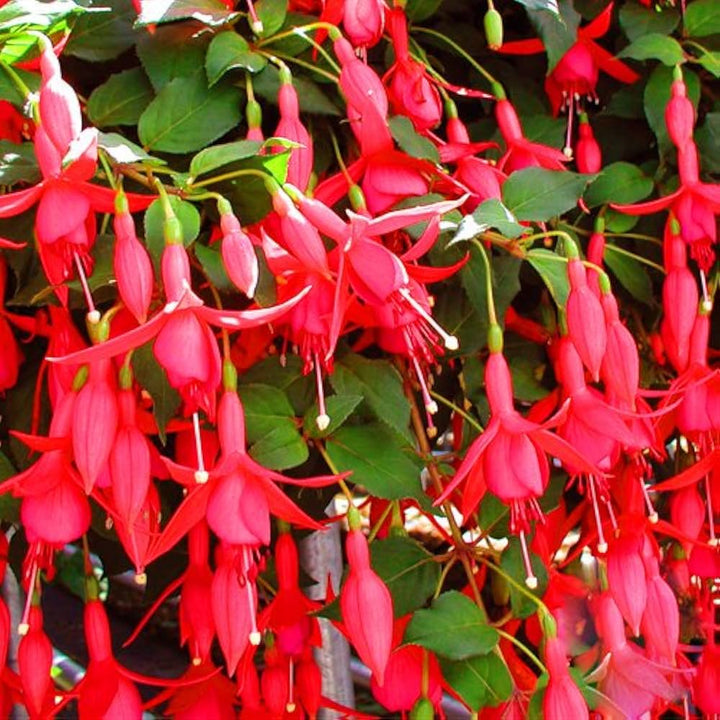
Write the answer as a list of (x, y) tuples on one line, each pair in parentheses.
[(101, 36), (121, 99), (710, 60), (18, 163), (453, 627), (124, 152), (187, 116), (230, 51), (553, 271), (272, 15), (208, 12), (656, 47), (216, 156), (702, 18)]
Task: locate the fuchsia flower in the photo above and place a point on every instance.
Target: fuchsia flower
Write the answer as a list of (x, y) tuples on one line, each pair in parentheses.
[(364, 21), (35, 657), (588, 154), (562, 698), (237, 251)]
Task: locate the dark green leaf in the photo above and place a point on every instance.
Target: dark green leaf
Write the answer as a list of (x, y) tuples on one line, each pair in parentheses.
[(121, 99), (702, 18), (9, 506), (538, 194), (553, 270), (408, 570), (419, 10), (216, 156), (481, 681), (272, 15), (453, 627), (17, 163), (10, 92), (413, 144), (512, 563), (710, 60), (287, 377), (187, 115), (230, 51), (36, 14), (152, 378), (620, 182), (708, 142), (208, 12), (97, 37), (338, 408), (281, 448), (213, 266), (155, 219), (379, 383), (656, 47), (378, 459), (637, 20), (630, 273), (656, 96), (558, 31), (312, 99), (172, 51), (549, 5)]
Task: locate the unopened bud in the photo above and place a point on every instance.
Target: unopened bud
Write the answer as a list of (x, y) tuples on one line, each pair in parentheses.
[(493, 24)]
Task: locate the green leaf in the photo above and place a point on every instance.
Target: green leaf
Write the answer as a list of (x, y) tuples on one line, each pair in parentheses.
[(272, 15), (538, 194), (121, 99), (453, 627), (172, 51), (337, 407), (288, 377), (122, 151), (702, 18), (213, 266), (656, 96), (217, 156), (631, 274), (708, 142), (489, 214), (506, 283), (557, 30), (710, 60), (37, 15), (620, 182), (9, 505), (481, 681), (548, 5), (413, 144), (636, 20), (419, 10), (553, 271), (408, 570), (271, 428), (656, 47), (18, 163), (152, 378), (98, 37), (9, 91), (230, 51), (155, 218), (186, 115), (208, 12), (378, 459), (379, 383), (512, 563)]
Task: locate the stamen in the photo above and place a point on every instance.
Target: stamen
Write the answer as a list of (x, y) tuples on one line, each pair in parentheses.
[(450, 341), (290, 706), (201, 475), (652, 512), (323, 419), (711, 516), (567, 150), (255, 636), (93, 316), (707, 303), (530, 578), (256, 24), (602, 545), (24, 625)]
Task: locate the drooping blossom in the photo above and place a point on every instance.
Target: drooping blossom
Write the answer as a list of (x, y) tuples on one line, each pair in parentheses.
[(562, 698)]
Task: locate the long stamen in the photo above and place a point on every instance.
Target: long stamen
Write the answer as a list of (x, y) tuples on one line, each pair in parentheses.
[(567, 150), (652, 512), (24, 625), (256, 24), (323, 419), (530, 578), (450, 341), (430, 405), (201, 475), (93, 315), (711, 516), (706, 301), (255, 636), (290, 706), (602, 545)]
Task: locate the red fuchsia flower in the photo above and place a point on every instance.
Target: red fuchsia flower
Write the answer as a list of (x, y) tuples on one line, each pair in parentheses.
[(11, 357), (680, 298), (363, 21), (694, 204), (131, 263), (520, 152), (562, 698), (585, 318), (576, 74), (588, 155), (631, 681), (35, 657), (707, 680), (403, 679), (679, 112), (183, 322), (364, 592), (206, 694), (12, 124), (290, 127), (237, 251), (510, 456), (411, 92), (253, 115), (65, 223)]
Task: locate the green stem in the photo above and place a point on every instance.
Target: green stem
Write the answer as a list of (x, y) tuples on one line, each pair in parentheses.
[(333, 469), (376, 528), (300, 32), (492, 317), (471, 60), (443, 576), (301, 63), (17, 81), (230, 176), (112, 180), (526, 650), (455, 408)]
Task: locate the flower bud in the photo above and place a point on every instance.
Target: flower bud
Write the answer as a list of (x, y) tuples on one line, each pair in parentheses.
[(493, 24)]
